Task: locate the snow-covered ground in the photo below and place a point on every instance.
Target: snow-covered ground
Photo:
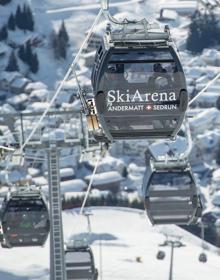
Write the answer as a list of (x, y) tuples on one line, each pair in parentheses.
[(126, 235)]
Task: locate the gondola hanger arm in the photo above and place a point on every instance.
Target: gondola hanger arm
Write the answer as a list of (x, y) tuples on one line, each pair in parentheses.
[(189, 141), (112, 19), (105, 5), (105, 9)]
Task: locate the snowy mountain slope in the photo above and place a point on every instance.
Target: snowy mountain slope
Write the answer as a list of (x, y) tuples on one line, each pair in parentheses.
[(77, 17), (131, 237), (135, 237)]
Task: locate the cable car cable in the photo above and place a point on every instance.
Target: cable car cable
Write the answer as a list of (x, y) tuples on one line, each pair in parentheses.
[(81, 95), (205, 88), (90, 183)]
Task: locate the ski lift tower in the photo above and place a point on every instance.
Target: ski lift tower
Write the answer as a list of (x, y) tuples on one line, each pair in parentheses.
[(52, 146), (172, 241)]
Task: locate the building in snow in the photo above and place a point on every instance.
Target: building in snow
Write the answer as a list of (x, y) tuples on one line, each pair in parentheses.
[(106, 181), (18, 85), (6, 79)]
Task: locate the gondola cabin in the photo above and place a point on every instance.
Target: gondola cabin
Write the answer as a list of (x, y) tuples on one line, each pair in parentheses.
[(25, 219), (80, 264), (139, 84), (170, 193)]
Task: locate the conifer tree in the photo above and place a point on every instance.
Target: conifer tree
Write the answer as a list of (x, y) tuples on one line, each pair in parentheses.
[(61, 47), (28, 53), (63, 33), (11, 22), (22, 53), (19, 17), (24, 18), (204, 31), (34, 65), (54, 43), (218, 103), (3, 33), (29, 18), (59, 42), (12, 63)]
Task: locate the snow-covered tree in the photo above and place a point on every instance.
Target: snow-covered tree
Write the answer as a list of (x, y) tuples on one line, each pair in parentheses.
[(11, 22), (22, 53), (61, 47), (29, 53), (204, 32), (34, 64), (54, 43), (24, 18), (12, 63), (59, 42), (29, 19), (3, 33), (62, 34), (19, 17)]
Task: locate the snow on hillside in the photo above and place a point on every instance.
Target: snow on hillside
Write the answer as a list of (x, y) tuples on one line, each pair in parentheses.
[(49, 14), (126, 234)]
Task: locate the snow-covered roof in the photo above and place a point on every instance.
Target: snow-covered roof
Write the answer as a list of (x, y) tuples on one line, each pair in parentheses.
[(13, 176), (18, 99), (105, 178), (20, 82), (160, 148), (35, 86), (41, 94), (37, 106), (76, 185), (216, 199), (194, 72), (8, 109), (110, 163), (209, 139), (136, 169), (9, 76), (69, 195), (68, 171), (208, 97), (170, 14), (181, 7), (216, 174), (212, 88), (33, 171), (204, 118), (70, 85), (211, 56), (39, 181), (202, 80)]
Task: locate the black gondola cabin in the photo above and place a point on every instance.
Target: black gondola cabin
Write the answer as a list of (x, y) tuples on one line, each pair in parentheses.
[(25, 219), (170, 193), (139, 84)]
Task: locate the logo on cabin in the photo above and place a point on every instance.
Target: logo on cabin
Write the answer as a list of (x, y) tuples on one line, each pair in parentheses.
[(118, 101)]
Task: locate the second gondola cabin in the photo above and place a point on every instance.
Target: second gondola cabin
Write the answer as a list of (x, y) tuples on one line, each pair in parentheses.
[(170, 193), (25, 219), (138, 83), (80, 263)]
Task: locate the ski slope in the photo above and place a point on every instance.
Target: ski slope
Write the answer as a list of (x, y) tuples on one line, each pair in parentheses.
[(128, 235)]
